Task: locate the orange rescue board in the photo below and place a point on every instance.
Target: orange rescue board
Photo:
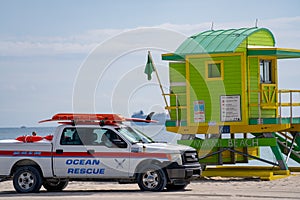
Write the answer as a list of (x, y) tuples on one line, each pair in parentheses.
[(92, 118)]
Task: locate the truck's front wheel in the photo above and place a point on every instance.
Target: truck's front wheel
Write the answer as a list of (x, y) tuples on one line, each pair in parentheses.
[(27, 179), (55, 185), (152, 178)]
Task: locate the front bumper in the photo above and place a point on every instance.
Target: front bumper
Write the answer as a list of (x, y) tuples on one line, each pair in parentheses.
[(184, 173)]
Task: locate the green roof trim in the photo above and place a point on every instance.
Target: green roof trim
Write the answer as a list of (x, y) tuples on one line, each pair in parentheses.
[(218, 41), (280, 53), (172, 56)]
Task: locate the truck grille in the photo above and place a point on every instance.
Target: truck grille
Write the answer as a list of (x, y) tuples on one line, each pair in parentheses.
[(190, 157)]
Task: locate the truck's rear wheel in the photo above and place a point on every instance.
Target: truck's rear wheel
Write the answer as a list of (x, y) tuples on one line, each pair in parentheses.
[(27, 179), (55, 185), (152, 178)]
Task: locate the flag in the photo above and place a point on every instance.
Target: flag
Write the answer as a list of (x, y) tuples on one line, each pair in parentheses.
[(149, 66)]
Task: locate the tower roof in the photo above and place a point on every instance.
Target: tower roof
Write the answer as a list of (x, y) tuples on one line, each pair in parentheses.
[(221, 41)]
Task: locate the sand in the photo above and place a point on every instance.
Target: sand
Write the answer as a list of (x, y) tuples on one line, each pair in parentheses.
[(206, 188)]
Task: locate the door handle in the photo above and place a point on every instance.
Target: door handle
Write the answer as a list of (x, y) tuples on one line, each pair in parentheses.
[(59, 151)]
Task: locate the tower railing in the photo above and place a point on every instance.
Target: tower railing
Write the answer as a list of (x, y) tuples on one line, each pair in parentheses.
[(266, 99), (290, 101)]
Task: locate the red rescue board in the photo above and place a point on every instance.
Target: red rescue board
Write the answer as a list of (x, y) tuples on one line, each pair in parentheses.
[(84, 117)]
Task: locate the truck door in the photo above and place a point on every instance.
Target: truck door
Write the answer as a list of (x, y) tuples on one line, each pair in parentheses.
[(70, 154), (82, 154), (112, 151)]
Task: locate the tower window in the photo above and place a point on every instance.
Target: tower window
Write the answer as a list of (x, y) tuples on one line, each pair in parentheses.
[(265, 71), (214, 70)]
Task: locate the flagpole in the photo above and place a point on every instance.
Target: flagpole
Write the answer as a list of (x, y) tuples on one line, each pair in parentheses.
[(159, 82)]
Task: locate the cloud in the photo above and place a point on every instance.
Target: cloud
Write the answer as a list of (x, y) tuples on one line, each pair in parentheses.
[(286, 30), (46, 47)]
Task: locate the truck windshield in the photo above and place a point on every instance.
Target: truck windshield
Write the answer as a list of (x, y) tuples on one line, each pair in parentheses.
[(134, 136)]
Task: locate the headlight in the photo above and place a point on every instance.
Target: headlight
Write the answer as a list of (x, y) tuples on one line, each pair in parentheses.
[(175, 158)]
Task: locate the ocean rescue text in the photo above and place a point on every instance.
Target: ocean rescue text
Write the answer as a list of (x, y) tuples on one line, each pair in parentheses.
[(84, 170)]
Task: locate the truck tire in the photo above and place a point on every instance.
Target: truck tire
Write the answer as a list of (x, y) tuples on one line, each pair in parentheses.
[(172, 187), (152, 178), (55, 185), (27, 179)]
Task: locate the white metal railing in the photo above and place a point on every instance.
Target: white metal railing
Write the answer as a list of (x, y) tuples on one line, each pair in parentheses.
[(291, 103)]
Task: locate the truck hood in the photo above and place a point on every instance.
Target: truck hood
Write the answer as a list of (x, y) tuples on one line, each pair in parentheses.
[(160, 147)]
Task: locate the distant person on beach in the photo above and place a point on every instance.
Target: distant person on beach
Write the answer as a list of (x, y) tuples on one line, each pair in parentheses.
[(33, 133)]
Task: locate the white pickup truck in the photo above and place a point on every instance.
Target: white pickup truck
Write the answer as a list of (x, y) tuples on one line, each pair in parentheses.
[(95, 148)]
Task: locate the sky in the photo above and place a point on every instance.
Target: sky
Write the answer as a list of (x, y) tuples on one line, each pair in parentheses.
[(88, 56)]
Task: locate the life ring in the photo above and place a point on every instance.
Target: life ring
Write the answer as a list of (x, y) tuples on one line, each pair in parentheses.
[(29, 138)]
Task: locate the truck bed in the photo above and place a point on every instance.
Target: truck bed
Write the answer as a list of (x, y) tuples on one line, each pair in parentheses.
[(13, 151)]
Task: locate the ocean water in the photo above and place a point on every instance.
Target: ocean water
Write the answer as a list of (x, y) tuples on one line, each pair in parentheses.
[(156, 132)]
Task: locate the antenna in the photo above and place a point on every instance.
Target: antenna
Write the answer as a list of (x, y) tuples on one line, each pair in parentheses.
[(256, 22), (212, 26)]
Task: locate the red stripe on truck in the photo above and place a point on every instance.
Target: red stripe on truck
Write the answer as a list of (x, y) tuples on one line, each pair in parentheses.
[(84, 154)]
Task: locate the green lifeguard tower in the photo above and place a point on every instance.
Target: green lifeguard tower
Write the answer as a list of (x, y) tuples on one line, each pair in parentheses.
[(224, 85)]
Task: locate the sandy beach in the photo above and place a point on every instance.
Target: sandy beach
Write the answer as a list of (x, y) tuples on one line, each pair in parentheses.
[(206, 188)]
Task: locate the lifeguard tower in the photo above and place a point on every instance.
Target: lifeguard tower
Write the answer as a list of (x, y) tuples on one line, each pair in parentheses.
[(225, 101)]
